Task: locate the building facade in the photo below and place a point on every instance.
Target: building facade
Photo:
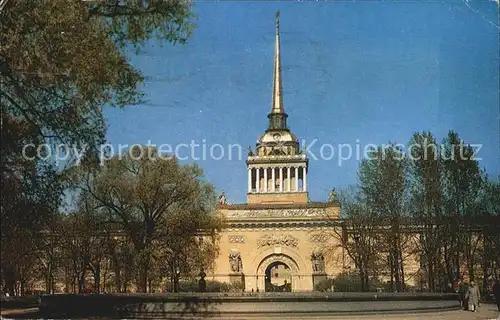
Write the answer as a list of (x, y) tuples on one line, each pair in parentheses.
[(275, 241)]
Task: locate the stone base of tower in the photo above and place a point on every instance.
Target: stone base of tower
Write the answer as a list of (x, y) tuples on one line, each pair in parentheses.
[(278, 198)]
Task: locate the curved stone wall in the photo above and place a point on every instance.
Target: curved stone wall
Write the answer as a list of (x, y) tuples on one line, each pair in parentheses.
[(262, 304)]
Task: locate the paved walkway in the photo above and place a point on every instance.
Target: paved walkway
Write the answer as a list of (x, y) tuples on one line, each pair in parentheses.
[(487, 312), (26, 313)]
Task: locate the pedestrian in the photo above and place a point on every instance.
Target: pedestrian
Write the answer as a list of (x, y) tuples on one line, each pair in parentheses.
[(473, 295), (496, 293), (463, 290)]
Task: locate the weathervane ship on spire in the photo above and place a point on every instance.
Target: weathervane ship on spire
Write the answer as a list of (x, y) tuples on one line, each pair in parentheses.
[(277, 21)]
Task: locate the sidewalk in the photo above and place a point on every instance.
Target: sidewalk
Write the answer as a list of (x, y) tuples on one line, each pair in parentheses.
[(487, 312), (26, 313)]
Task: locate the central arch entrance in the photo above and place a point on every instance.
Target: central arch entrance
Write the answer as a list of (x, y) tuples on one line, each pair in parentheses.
[(278, 272), (278, 277)]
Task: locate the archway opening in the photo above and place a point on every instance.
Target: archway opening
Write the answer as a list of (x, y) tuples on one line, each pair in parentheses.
[(278, 277)]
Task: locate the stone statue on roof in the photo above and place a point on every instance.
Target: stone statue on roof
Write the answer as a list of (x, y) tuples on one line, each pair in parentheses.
[(332, 197), (222, 198)]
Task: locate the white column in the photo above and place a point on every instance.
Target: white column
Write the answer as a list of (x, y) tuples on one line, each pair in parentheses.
[(304, 179), (265, 179), (257, 180), (249, 180), (273, 179), (296, 179), (281, 179), (288, 179)]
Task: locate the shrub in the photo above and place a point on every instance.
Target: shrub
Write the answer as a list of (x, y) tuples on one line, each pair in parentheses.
[(351, 282), (217, 286), (211, 286), (188, 286), (324, 285)]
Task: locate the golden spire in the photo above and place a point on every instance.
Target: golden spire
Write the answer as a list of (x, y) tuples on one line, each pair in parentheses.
[(277, 106)]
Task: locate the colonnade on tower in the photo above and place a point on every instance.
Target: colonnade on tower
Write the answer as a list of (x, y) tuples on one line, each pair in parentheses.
[(277, 178)]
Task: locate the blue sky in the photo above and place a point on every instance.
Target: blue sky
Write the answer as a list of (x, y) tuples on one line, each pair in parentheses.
[(354, 72)]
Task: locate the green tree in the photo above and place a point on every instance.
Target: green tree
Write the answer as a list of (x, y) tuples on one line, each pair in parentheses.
[(382, 179), (61, 61), (141, 191), (83, 241), (489, 222), (462, 181), (359, 235), (29, 197), (190, 243), (425, 171), (50, 256)]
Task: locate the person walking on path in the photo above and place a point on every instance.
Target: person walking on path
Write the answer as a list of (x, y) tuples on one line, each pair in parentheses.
[(473, 297), (496, 293), (462, 291)]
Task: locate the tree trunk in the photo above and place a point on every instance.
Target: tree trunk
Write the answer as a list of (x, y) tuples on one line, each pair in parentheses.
[(485, 276), (10, 281), (362, 277), (48, 279), (117, 271), (142, 247), (22, 286), (391, 266), (67, 279), (143, 277), (458, 247), (396, 245), (448, 262), (486, 260), (430, 275), (97, 277), (367, 281), (176, 282), (105, 278), (81, 280), (401, 268)]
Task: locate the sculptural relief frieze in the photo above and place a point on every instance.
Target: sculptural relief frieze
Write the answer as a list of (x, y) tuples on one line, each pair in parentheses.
[(319, 238), (280, 213), (272, 240), (237, 239)]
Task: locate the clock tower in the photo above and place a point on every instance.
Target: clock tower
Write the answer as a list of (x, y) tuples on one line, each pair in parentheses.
[(277, 171)]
